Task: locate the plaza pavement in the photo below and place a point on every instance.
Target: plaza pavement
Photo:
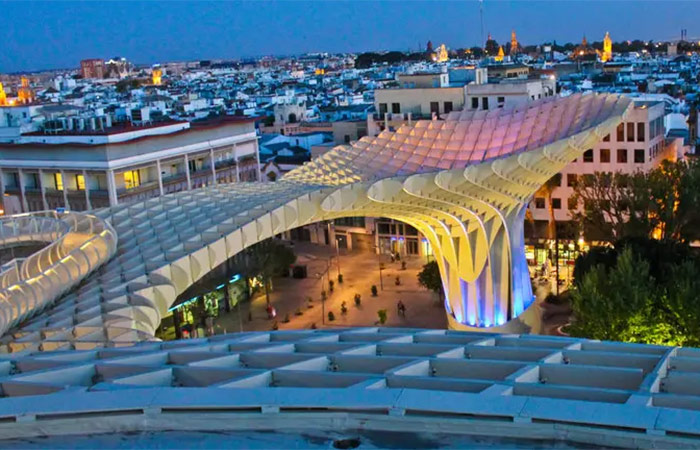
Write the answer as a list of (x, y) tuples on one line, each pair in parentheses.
[(360, 271)]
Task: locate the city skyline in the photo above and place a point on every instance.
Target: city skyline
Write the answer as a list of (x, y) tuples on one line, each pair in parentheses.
[(55, 35)]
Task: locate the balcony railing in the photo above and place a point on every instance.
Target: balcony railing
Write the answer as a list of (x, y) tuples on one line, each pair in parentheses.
[(396, 117)]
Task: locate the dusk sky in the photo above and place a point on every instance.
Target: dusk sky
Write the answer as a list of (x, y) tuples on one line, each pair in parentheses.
[(58, 34)]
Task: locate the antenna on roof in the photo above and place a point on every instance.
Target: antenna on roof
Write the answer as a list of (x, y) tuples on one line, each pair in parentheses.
[(481, 16)]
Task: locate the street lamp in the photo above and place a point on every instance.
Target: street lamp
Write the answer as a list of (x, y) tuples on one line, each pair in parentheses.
[(323, 299), (327, 272), (379, 259), (337, 253)]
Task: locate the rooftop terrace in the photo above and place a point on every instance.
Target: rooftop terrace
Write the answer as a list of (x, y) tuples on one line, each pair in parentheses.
[(519, 386)]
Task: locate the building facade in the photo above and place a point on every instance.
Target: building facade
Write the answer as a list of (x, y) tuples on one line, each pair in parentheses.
[(92, 68), (637, 145), (126, 163), (484, 95)]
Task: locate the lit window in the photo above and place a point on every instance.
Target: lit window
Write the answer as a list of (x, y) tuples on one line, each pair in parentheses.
[(58, 180), (132, 179), (80, 182)]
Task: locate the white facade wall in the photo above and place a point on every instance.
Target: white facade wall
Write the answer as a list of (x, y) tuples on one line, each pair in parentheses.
[(418, 101), (507, 94), (653, 149)]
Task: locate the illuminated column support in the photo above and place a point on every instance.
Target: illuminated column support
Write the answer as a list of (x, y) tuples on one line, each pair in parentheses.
[(22, 191), (520, 275), (42, 187), (160, 177), (112, 188)]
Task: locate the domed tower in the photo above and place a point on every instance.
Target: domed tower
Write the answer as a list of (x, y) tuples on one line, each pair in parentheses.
[(24, 93), (607, 48), (157, 76), (501, 54), (514, 47), (441, 55)]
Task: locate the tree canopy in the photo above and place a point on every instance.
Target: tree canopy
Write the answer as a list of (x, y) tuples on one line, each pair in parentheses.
[(663, 203), (430, 278), (491, 47), (365, 60), (267, 259), (645, 287), (642, 290)]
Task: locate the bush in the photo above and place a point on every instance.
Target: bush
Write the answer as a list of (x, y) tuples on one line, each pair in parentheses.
[(323, 295), (286, 318), (562, 299), (374, 290), (331, 316), (331, 285), (430, 278), (340, 278), (382, 316), (299, 312), (358, 300)]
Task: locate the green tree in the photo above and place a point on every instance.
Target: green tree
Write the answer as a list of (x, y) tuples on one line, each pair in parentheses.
[(679, 304), (663, 203), (430, 278), (603, 301), (476, 52), (643, 290), (491, 47), (267, 259), (677, 199), (125, 85)]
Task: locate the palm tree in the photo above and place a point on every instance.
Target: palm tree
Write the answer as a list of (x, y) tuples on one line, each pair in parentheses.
[(546, 191)]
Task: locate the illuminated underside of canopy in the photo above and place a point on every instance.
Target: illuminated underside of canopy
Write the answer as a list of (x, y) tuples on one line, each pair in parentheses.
[(463, 182)]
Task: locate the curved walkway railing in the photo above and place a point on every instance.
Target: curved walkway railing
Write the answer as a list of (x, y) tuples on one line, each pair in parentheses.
[(77, 244)]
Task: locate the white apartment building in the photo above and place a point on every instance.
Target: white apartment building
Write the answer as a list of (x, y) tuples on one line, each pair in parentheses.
[(82, 170), (506, 92), (429, 96), (420, 96), (638, 145), (15, 120)]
